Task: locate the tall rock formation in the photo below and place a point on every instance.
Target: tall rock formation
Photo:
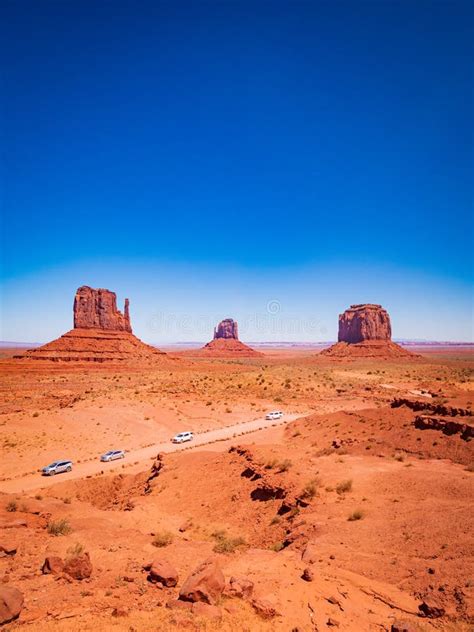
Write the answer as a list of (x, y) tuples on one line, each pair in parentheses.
[(98, 309), (101, 333), (364, 322), (365, 331), (226, 343), (228, 329)]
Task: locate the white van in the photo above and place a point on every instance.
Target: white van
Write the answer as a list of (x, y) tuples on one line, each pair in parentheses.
[(182, 437), (276, 414)]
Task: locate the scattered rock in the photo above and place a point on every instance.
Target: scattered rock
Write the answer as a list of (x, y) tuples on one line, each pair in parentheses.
[(402, 625), (206, 610), (120, 612), (160, 570), (430, 611), (79, 567), (185, 526), (310, 554), (241, 587), (265, 608), (177, 604), (8, 548), (206, 583), (11, 603), (52, 564), (332, 623), (307, 575)]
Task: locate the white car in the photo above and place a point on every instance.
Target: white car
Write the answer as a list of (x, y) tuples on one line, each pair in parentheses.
[(111, 455), (276, 414), (57, 467), (182, 437)]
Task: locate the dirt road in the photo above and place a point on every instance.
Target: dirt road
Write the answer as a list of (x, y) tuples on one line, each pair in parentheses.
[(137, 460)]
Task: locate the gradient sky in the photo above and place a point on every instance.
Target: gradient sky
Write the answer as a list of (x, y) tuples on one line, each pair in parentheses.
[(270, 161)]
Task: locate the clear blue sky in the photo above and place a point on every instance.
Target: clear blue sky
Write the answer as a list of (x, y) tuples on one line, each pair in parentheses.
[(205, 158)]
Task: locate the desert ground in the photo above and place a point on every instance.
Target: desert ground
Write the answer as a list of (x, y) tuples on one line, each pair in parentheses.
[(346, 514)]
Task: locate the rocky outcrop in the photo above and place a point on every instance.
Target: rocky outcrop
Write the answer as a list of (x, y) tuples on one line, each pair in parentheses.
[(53, 565), (79, 566), (432, 407), (365, 332), (364, 322), (160, 571), (206, 583), (228, 329), (11, 603), (446, 426), (101, 334), (97, 309)]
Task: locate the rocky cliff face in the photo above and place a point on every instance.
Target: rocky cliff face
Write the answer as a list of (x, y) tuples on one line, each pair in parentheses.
[(227, 329), (97, 309), (364, 322)]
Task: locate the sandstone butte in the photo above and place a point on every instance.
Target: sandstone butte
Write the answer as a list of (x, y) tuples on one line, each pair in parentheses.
[(226, 343), (101, 333), (365, 331)]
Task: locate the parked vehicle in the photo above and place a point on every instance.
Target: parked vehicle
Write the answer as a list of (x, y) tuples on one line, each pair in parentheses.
[(276, 414), (57, 468), (182, 437), (112, 455)]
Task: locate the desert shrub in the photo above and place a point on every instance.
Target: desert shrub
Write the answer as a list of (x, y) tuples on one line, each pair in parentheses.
[(275, 520), (227, 544), (344, 486), (399, 457), (311, 488), (12, 506), (285, 465), (277, 546), (59, 527), (35, 414), (75, 551), (269, 465), (470, 467), (163, 538), (357, 514)]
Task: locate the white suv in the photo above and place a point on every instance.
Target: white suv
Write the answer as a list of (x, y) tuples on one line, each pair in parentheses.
[(276, 414), (182, 437)]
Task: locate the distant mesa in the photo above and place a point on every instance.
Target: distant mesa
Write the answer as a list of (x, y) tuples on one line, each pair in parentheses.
[(101, 333), (226, 343), (365, 331)]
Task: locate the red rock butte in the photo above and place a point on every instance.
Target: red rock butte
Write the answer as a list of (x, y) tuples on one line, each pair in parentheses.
[(365, 331), (101, 333), (226, 343)]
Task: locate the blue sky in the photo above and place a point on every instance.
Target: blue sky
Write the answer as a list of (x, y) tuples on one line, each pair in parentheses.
[(205, 159)]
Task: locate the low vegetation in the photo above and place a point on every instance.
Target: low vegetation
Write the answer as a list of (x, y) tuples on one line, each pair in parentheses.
[(59, 527), (357, 514), (225, 543), (344, 487), (162, 539)]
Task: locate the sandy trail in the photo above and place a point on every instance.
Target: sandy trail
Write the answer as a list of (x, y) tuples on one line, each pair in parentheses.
[(139, 457)]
